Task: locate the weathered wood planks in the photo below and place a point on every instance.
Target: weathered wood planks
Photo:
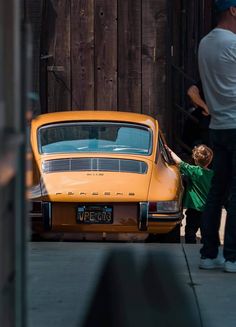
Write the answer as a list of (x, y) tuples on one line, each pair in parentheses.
[(58, 48), (107, 55), (129, 55), (154, 42), (82, 54)]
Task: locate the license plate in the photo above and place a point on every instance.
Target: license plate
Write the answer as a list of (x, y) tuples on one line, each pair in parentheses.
[(92, 214)]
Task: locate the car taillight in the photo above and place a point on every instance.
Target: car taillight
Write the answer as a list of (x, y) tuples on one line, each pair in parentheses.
[(152, 207), (163, 207)]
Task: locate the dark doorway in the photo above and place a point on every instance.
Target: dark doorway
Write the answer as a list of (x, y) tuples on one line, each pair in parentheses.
[(189, 21)]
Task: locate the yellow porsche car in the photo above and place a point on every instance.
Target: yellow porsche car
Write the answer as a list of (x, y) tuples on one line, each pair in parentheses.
[(103, 173)]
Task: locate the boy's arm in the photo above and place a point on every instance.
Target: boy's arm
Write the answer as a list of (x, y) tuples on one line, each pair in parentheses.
[(185, 168), (173, 155)]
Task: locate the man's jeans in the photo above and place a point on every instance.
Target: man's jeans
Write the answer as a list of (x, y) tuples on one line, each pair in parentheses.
[(222, 191)]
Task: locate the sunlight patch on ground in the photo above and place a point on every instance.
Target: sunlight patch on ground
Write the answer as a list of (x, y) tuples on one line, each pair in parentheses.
[(199, 234)]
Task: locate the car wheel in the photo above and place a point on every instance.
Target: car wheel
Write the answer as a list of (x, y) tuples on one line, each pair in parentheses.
[(172, 237), (153, 238), (35, 237)]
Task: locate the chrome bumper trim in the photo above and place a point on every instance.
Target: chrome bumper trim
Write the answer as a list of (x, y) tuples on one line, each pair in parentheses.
[(143, 216), (173, 218), (47, 215)]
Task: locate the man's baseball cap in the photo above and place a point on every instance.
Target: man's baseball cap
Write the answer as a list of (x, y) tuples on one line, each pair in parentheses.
[(222, 5)]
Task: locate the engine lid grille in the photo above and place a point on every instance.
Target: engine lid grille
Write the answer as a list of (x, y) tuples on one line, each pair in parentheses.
[(95, 164)]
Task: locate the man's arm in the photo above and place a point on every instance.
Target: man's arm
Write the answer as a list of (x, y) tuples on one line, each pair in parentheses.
[(194, 94)]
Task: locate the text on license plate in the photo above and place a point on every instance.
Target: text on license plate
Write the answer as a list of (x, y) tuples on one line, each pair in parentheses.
[(92, 214)]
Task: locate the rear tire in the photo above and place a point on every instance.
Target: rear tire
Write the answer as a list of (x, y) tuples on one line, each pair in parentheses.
[(36, 237), (172, 237)]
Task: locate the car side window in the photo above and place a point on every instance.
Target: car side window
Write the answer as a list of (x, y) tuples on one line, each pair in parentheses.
[(165, 154)]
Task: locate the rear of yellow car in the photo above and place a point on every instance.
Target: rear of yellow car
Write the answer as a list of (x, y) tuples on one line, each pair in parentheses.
[(110, 178)]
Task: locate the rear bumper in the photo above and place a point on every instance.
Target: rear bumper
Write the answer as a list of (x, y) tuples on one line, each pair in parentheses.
[(129, 218)]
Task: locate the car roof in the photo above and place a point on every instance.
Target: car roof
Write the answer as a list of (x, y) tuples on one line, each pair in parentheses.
[(83, 115)]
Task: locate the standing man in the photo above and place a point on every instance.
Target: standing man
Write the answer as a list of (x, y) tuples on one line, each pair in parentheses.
[(217, 67)]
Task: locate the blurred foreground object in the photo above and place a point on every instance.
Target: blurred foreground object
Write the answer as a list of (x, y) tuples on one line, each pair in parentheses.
[(147, 295)]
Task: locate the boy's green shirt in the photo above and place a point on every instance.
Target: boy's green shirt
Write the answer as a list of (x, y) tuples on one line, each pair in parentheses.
[(198, 186)]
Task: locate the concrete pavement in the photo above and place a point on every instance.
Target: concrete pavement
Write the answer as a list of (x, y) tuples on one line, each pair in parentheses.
[(63, 277)]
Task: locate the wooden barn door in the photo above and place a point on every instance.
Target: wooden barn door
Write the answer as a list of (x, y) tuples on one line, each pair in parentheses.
[(104, 55)]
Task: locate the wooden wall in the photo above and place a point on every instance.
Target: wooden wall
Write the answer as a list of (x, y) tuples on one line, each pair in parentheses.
[(104, 55)]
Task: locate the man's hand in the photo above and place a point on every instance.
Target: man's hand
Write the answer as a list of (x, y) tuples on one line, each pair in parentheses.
[(194, 94)]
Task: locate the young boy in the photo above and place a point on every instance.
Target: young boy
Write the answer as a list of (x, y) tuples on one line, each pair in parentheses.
[(197, 188)]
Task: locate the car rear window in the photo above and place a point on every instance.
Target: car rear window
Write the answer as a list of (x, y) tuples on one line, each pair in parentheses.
[(98, 137)]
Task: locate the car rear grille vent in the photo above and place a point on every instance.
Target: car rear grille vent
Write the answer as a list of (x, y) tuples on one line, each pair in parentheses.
[(95, 164)]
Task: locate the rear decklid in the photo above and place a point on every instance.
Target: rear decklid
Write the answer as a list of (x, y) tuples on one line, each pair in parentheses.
[(95, 179)]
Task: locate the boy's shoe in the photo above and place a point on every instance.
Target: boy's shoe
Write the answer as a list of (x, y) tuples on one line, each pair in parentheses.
[(230, 266), (217, 263)]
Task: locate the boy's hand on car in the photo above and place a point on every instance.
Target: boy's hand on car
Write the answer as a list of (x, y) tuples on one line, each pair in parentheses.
[(173, 155)]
